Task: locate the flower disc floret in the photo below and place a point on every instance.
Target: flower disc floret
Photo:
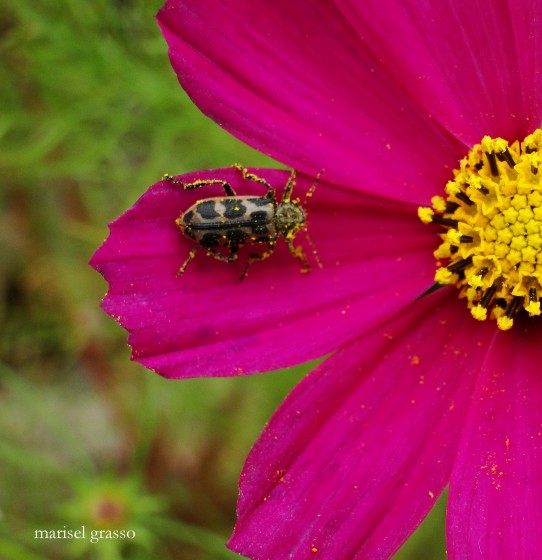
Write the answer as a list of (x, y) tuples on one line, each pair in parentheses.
[(492, 247)]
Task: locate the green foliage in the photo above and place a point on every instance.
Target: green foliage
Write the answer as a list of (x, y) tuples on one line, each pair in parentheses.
[(91, 115)]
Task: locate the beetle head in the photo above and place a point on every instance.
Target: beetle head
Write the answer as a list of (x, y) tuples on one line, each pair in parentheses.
[(290, 218)]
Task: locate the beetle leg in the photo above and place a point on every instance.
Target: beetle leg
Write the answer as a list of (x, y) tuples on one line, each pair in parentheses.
[(271, 194), (258, 257), (201, 183), (234, 250), (314, 251), (298, 253), (191, 255)]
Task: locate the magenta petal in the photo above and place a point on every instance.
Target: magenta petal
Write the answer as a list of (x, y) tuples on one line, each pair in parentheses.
[(494, 508), (474, 66), (376, 257), (359, 452), (293, 80)]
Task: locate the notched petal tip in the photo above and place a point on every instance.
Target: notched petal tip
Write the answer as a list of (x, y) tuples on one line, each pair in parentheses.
[(207, 322)]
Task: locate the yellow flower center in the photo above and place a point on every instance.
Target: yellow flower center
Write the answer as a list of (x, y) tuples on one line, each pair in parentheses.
[(492, 247)]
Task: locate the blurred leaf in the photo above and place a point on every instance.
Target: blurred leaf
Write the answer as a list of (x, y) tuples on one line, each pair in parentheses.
[(10, 550), (30, 460), (41, 411)]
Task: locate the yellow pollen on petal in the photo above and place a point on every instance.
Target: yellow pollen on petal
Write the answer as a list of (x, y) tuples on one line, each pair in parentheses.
[(491, 243)]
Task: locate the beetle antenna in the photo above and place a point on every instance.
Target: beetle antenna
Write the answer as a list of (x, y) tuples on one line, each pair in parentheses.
[(289, 187), (313, 248), (310, 192)]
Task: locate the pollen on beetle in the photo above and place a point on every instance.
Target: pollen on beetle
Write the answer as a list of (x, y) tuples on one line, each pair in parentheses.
[(491, 248)]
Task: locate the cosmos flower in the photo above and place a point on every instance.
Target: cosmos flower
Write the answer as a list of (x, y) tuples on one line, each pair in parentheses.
[(422, 116)]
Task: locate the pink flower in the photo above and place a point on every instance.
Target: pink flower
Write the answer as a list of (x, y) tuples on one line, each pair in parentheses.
[(387, 97)]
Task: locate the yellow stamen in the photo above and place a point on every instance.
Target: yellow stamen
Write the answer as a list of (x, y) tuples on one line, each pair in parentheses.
[(439, 204), (425, 215), (491, 248)]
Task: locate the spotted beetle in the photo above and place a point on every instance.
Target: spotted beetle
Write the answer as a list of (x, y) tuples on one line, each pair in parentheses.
[(233, 221)]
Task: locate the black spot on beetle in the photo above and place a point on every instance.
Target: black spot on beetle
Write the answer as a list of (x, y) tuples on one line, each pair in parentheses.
[(260, 201), (236, 237), (258, 222), (260, 230), (259, 216), (187, 217), (206, 209), (234, 209)]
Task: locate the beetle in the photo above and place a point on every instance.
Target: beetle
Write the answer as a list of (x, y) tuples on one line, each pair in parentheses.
[(233, 221)]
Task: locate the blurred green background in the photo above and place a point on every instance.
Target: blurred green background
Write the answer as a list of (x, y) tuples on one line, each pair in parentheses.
[(91, 114)]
